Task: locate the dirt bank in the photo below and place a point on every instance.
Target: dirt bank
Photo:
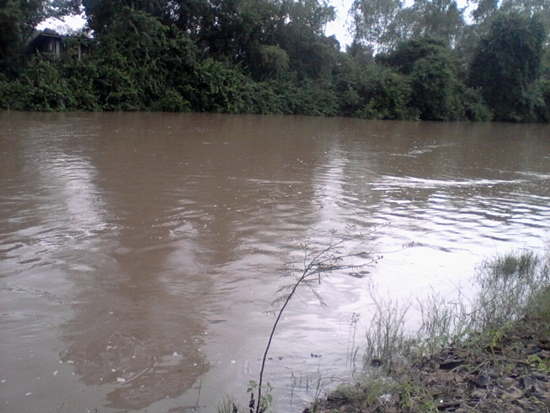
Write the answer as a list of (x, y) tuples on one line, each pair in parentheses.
[(506, 370)]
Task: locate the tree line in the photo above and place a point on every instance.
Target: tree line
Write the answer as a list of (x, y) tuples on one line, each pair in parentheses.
[(431, 60)]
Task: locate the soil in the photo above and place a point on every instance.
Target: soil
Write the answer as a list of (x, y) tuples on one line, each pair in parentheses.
[(510, 373)]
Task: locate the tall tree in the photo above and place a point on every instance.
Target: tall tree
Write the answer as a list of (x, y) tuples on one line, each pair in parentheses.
[(377, 23), (101, 14), (441, 19), (507, 65), (382, 24), (301, 34), (432, 73), (151, 67), (486, 11)]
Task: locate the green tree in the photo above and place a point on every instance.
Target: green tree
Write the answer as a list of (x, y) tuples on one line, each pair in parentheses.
[(485, 10), (242, 32), (151, 67), (432, 71), (101, 14), (377, 23), (383, 24), (507, 66), (441, 19), (269, 61), (301, 34), (389, 96)]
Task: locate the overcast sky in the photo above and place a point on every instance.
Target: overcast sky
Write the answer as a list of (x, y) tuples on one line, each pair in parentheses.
[(339, 27)]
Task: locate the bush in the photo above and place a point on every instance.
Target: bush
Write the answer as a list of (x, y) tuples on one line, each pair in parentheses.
[(389, 96), (40, 88)]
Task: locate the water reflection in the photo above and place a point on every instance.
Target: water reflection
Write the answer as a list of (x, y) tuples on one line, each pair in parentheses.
[(141, 250), (137, 322)]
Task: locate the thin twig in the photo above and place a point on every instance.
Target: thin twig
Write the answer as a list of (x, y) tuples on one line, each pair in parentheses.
[(315, 264), (200, 386)]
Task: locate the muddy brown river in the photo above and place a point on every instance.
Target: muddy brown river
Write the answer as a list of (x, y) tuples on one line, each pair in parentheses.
[(140, 253)]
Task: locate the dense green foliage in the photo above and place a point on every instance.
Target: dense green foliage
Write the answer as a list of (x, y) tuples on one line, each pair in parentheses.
[(18, 18), (507, 67), (272, 57)]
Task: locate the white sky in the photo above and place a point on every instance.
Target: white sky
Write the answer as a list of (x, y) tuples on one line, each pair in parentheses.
[(339, 27), (63, 26)]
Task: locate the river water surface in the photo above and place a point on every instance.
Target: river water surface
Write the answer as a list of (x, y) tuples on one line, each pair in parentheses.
[(140, 253)]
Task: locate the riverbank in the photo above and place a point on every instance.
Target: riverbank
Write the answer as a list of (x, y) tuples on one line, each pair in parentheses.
[(507, 370), (502, 367)]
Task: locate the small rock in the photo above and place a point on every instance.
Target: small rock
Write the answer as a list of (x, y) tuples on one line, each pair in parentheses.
[(512, 394), (450, 364), (481, 380), (386, 398), (479, 394), (507, 382), (544, 344), (529, 383), (348, 408), (337, 396), (539, 375)]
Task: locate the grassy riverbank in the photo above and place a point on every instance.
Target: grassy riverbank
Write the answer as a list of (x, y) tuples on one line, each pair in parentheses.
[(490, 354)]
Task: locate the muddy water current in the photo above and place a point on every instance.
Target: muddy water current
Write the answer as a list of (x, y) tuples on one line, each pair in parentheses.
[(140, 253)]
